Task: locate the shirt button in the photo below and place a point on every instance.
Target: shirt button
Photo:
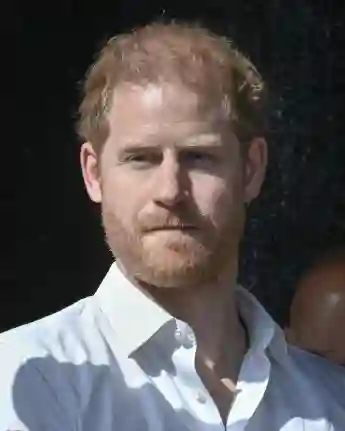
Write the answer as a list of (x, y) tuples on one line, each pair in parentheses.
[(201, 397), (178, 336)]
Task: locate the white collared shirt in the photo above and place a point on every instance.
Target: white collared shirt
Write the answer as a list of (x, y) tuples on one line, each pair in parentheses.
[(117, 361)]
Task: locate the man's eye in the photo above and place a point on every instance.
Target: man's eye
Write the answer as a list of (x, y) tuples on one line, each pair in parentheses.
[(198, 156), (137, 158), (143, 159)]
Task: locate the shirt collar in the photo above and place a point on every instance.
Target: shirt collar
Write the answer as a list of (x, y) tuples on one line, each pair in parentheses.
[(136, 318), (132, 315), (264, 333)]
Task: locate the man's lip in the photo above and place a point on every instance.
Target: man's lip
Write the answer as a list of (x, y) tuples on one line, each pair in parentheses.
[(171, 228)]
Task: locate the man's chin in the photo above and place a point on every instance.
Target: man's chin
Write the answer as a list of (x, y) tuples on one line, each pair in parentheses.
[(172, 272), (167, 280)]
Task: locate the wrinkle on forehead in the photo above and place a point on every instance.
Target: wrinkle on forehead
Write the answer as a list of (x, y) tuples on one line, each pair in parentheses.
[(193, 140)]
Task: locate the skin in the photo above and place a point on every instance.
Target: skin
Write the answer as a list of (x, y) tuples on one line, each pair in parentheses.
[(173, 184), (317, 315)]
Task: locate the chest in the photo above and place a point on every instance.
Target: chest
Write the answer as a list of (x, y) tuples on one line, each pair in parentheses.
[(128, 399)]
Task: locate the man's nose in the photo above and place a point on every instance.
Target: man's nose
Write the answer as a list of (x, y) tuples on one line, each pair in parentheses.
[(169, 183)]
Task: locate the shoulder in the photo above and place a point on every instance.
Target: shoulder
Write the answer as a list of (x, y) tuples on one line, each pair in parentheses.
[(35, 374), (52, 335), (325, 379), (307, 388)]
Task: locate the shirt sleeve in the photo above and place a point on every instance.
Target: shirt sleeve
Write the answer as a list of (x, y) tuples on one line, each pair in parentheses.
[(27, 399)]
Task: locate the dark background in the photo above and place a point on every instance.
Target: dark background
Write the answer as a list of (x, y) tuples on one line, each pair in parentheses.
[(297, 45)]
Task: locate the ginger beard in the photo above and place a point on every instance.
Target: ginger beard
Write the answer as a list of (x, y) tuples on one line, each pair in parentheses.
[(175, 259)]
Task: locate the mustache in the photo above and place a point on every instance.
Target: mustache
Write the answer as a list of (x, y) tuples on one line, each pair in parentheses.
[(168, 221)]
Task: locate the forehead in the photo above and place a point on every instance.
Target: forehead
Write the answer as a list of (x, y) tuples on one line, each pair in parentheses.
[(153, 108)]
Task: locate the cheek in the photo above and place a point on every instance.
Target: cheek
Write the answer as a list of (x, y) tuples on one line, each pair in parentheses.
[(119, 200), (215, 196)]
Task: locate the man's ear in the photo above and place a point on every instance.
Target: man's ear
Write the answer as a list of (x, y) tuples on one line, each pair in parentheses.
[(255, 168), (90, 169)]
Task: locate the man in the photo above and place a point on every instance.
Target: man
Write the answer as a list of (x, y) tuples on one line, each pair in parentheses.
[(173, 124), (317, 314)]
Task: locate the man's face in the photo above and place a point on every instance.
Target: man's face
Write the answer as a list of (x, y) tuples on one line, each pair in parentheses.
[(172, 186)]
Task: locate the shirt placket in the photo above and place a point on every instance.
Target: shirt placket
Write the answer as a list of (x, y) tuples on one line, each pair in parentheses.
[(204, 415)]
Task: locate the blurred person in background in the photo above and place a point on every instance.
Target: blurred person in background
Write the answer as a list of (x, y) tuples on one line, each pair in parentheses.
[(317, 313)]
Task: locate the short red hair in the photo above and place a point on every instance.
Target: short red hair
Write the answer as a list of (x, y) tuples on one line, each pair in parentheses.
[(186, 53)]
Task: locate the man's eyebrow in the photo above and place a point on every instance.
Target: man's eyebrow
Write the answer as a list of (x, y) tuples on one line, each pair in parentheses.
[(138, 148)]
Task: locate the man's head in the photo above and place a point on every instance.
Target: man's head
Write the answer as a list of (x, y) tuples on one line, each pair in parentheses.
[(317, 314), (173, 124)]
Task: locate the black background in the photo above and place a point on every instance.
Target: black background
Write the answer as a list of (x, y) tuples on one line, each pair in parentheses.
[(297, 45)]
